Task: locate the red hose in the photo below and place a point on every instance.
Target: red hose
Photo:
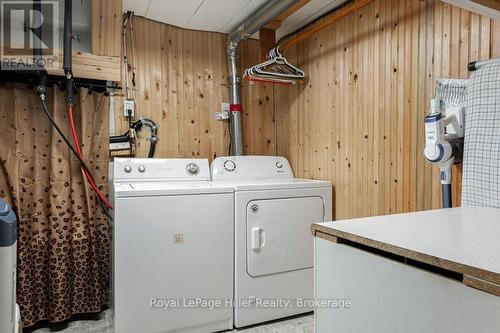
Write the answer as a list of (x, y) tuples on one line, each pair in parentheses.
[(79, 150)]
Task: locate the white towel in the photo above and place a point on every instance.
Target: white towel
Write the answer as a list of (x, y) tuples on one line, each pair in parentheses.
[(481, 170)]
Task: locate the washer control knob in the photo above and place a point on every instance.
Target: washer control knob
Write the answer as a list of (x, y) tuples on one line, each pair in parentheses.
[(279, 165), (192, 169), (229, 165), (141, 168), (127, 168)]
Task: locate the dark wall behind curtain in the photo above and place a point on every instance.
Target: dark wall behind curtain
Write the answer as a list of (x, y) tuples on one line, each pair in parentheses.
[(63, 248)]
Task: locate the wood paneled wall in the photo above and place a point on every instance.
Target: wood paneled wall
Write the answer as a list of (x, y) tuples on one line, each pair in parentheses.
[(107, 27), (180, 84), (358, 120)]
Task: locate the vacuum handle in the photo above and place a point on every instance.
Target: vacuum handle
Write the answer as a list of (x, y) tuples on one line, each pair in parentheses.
[(446, 194)]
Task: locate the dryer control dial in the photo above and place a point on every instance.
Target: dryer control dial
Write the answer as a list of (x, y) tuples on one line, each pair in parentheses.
[(127, 168), (229, 165)]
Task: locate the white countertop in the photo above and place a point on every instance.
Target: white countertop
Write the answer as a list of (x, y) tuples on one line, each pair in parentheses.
[(468, 236)]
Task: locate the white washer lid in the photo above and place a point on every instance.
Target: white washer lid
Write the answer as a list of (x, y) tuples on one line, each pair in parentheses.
[(275, 184), (141, 189)]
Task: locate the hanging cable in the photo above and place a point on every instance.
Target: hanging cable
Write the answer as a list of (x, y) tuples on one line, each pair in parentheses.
[(70, 100), (40, 89), (74, 151)]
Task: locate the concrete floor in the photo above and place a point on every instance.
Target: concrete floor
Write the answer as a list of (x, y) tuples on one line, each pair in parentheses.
[(102, 323)]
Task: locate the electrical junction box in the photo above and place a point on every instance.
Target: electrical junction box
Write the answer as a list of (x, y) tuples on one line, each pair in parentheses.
[(128, 107), (223, 114)]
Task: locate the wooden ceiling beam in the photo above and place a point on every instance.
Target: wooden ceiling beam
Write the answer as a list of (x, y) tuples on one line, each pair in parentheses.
[(493, 4), (267, 39), (276, 23)]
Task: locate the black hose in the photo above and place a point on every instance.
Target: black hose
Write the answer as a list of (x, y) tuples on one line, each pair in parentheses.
[(152, 147), (58, 129), (73, 150), (154, 138), (119, 138), (137, 126), (37, 45), (67, 51), (68, 34), (42, 82), (40, 72)]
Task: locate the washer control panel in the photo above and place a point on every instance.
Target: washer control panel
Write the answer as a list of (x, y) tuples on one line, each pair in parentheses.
[(167, 169), (250, 167)]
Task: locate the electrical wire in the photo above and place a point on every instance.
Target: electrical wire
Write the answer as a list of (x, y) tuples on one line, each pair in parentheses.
[(74, 151)]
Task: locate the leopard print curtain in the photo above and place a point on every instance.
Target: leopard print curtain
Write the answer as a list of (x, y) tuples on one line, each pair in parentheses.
[(63, 247)]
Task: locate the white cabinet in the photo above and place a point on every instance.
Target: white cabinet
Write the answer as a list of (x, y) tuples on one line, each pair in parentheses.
[(387, 296)]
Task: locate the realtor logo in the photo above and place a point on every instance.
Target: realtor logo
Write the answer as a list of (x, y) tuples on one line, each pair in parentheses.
[(26, 32)]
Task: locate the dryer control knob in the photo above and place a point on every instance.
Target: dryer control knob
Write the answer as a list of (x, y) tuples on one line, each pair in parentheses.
[(229, 165), (127, 168), (192, 169), (142, 168), (279, 165)]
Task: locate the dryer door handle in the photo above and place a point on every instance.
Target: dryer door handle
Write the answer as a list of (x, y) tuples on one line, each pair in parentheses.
[(256, 239)]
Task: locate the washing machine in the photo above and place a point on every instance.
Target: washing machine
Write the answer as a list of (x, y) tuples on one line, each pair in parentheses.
[(172, 247), (273, 275)]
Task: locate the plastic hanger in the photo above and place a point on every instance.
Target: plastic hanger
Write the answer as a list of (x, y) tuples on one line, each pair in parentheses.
[(277, 67)]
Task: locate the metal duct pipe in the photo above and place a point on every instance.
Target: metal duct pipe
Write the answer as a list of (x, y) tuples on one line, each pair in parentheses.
[(247, 28)]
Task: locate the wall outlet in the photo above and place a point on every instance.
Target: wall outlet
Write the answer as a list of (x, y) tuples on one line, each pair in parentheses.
[(128, 107)]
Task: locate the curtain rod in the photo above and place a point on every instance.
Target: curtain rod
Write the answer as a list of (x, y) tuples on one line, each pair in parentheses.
[(99, 86)]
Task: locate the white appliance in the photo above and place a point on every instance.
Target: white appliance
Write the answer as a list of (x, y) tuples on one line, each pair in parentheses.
[(10, 317), (273, 242), (172, 247)]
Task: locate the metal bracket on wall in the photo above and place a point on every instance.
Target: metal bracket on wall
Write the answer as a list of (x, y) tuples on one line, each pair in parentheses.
[(223, 114)]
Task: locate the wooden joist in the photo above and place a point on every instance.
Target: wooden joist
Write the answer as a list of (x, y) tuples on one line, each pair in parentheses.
[(276, 23), (343, 12)]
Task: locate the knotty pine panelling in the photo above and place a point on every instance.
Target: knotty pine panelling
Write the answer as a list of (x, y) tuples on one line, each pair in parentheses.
[(106, 27), (358, 120), (180, 84)]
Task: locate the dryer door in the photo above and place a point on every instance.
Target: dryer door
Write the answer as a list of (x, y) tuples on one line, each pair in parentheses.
[(278, 234)]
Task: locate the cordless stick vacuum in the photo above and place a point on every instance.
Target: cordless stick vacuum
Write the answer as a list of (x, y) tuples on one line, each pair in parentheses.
[(444, 131)]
